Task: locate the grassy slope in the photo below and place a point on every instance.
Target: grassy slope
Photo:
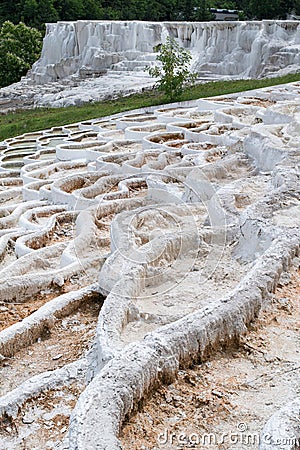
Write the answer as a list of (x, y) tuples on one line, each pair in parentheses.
[(20, 122)]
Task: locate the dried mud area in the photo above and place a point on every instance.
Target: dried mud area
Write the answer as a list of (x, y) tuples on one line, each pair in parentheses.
[(11, 313), (43, 421), (223, 403), (67, 341)]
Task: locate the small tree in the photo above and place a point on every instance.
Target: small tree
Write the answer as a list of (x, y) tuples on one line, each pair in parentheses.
[(174, 73), (20, 47)]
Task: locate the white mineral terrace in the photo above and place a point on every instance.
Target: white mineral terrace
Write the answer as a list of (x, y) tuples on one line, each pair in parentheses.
[(87, 61), (219, 48), (134, 244)]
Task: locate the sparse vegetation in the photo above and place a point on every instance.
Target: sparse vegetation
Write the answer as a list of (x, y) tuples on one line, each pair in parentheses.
[(174, 72)]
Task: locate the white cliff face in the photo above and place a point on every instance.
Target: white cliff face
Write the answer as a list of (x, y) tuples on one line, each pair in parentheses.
[(86, 61), (75, 47), (234, 49)]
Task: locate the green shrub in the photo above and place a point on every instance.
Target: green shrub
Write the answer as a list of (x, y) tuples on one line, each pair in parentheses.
[(174, 72), (20, 47)]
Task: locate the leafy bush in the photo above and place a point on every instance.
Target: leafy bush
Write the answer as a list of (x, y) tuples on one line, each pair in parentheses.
[(174, 72), (20, 47)]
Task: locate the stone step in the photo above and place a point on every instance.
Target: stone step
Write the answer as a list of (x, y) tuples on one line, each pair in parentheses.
[(131, 65)]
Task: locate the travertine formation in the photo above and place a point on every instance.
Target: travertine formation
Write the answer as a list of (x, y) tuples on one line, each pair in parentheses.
[(240, 49), (131, 245), (82, 61)]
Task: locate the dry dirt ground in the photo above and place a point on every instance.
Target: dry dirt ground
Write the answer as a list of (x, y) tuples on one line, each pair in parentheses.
[(14, 312), (224, 403), (43, 421), (64, 343)]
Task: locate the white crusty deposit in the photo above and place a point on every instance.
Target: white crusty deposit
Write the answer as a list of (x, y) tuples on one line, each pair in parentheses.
[(134, 244), (240, 49)]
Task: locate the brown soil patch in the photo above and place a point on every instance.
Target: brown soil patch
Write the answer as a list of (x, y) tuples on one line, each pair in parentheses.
[(258, 102), (235, 392), (138, 193), (43, 421), (213, 158), (11, 313), (178, 144), (63, 231), (64, 343), (202, 146)]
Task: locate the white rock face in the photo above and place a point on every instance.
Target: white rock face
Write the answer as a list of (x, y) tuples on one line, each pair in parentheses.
[(86, 47), (235, 49), (86, 61)]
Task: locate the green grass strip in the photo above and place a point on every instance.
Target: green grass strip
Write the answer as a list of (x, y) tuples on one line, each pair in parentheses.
[(25, 121)]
